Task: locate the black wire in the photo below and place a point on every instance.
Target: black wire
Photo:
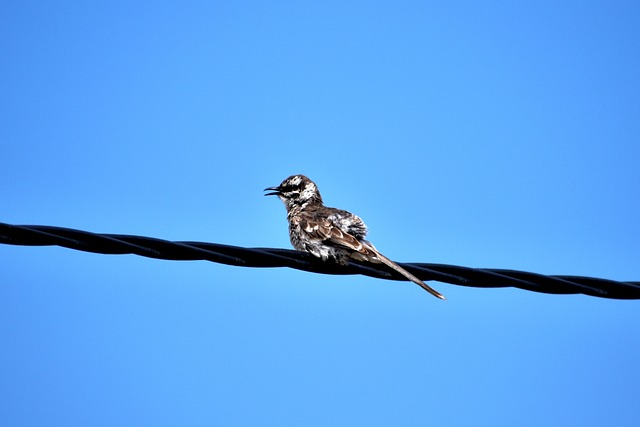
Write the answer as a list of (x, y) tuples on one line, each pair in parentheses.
[(40, 235)]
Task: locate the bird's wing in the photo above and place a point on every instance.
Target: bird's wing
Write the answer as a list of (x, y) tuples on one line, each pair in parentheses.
[(325, 230)]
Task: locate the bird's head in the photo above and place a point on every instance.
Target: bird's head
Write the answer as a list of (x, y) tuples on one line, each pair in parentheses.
[(296, 191)]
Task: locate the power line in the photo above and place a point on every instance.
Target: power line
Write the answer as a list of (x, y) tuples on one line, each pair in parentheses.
[(117, 244)]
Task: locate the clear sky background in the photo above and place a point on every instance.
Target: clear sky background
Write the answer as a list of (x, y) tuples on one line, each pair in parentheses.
[(484, 134)]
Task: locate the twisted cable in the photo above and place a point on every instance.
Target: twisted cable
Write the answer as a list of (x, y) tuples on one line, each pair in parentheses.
[(40, 235)]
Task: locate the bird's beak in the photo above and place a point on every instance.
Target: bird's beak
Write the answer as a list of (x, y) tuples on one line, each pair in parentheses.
[(276, 191)]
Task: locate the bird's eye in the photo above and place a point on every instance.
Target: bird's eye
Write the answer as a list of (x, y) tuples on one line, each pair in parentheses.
[(291, 186)]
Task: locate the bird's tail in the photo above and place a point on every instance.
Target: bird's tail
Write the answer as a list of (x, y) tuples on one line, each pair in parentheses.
[(405, 273)]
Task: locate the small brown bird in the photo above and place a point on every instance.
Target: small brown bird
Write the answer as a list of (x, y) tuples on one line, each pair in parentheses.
[(329, 232)]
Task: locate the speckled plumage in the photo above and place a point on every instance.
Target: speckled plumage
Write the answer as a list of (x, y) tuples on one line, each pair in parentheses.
[(329, 232)]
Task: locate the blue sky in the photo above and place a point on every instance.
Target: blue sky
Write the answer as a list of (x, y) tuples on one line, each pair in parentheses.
[(483, 134)]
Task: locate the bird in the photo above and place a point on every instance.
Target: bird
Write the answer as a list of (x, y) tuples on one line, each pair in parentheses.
[(330, 233)]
